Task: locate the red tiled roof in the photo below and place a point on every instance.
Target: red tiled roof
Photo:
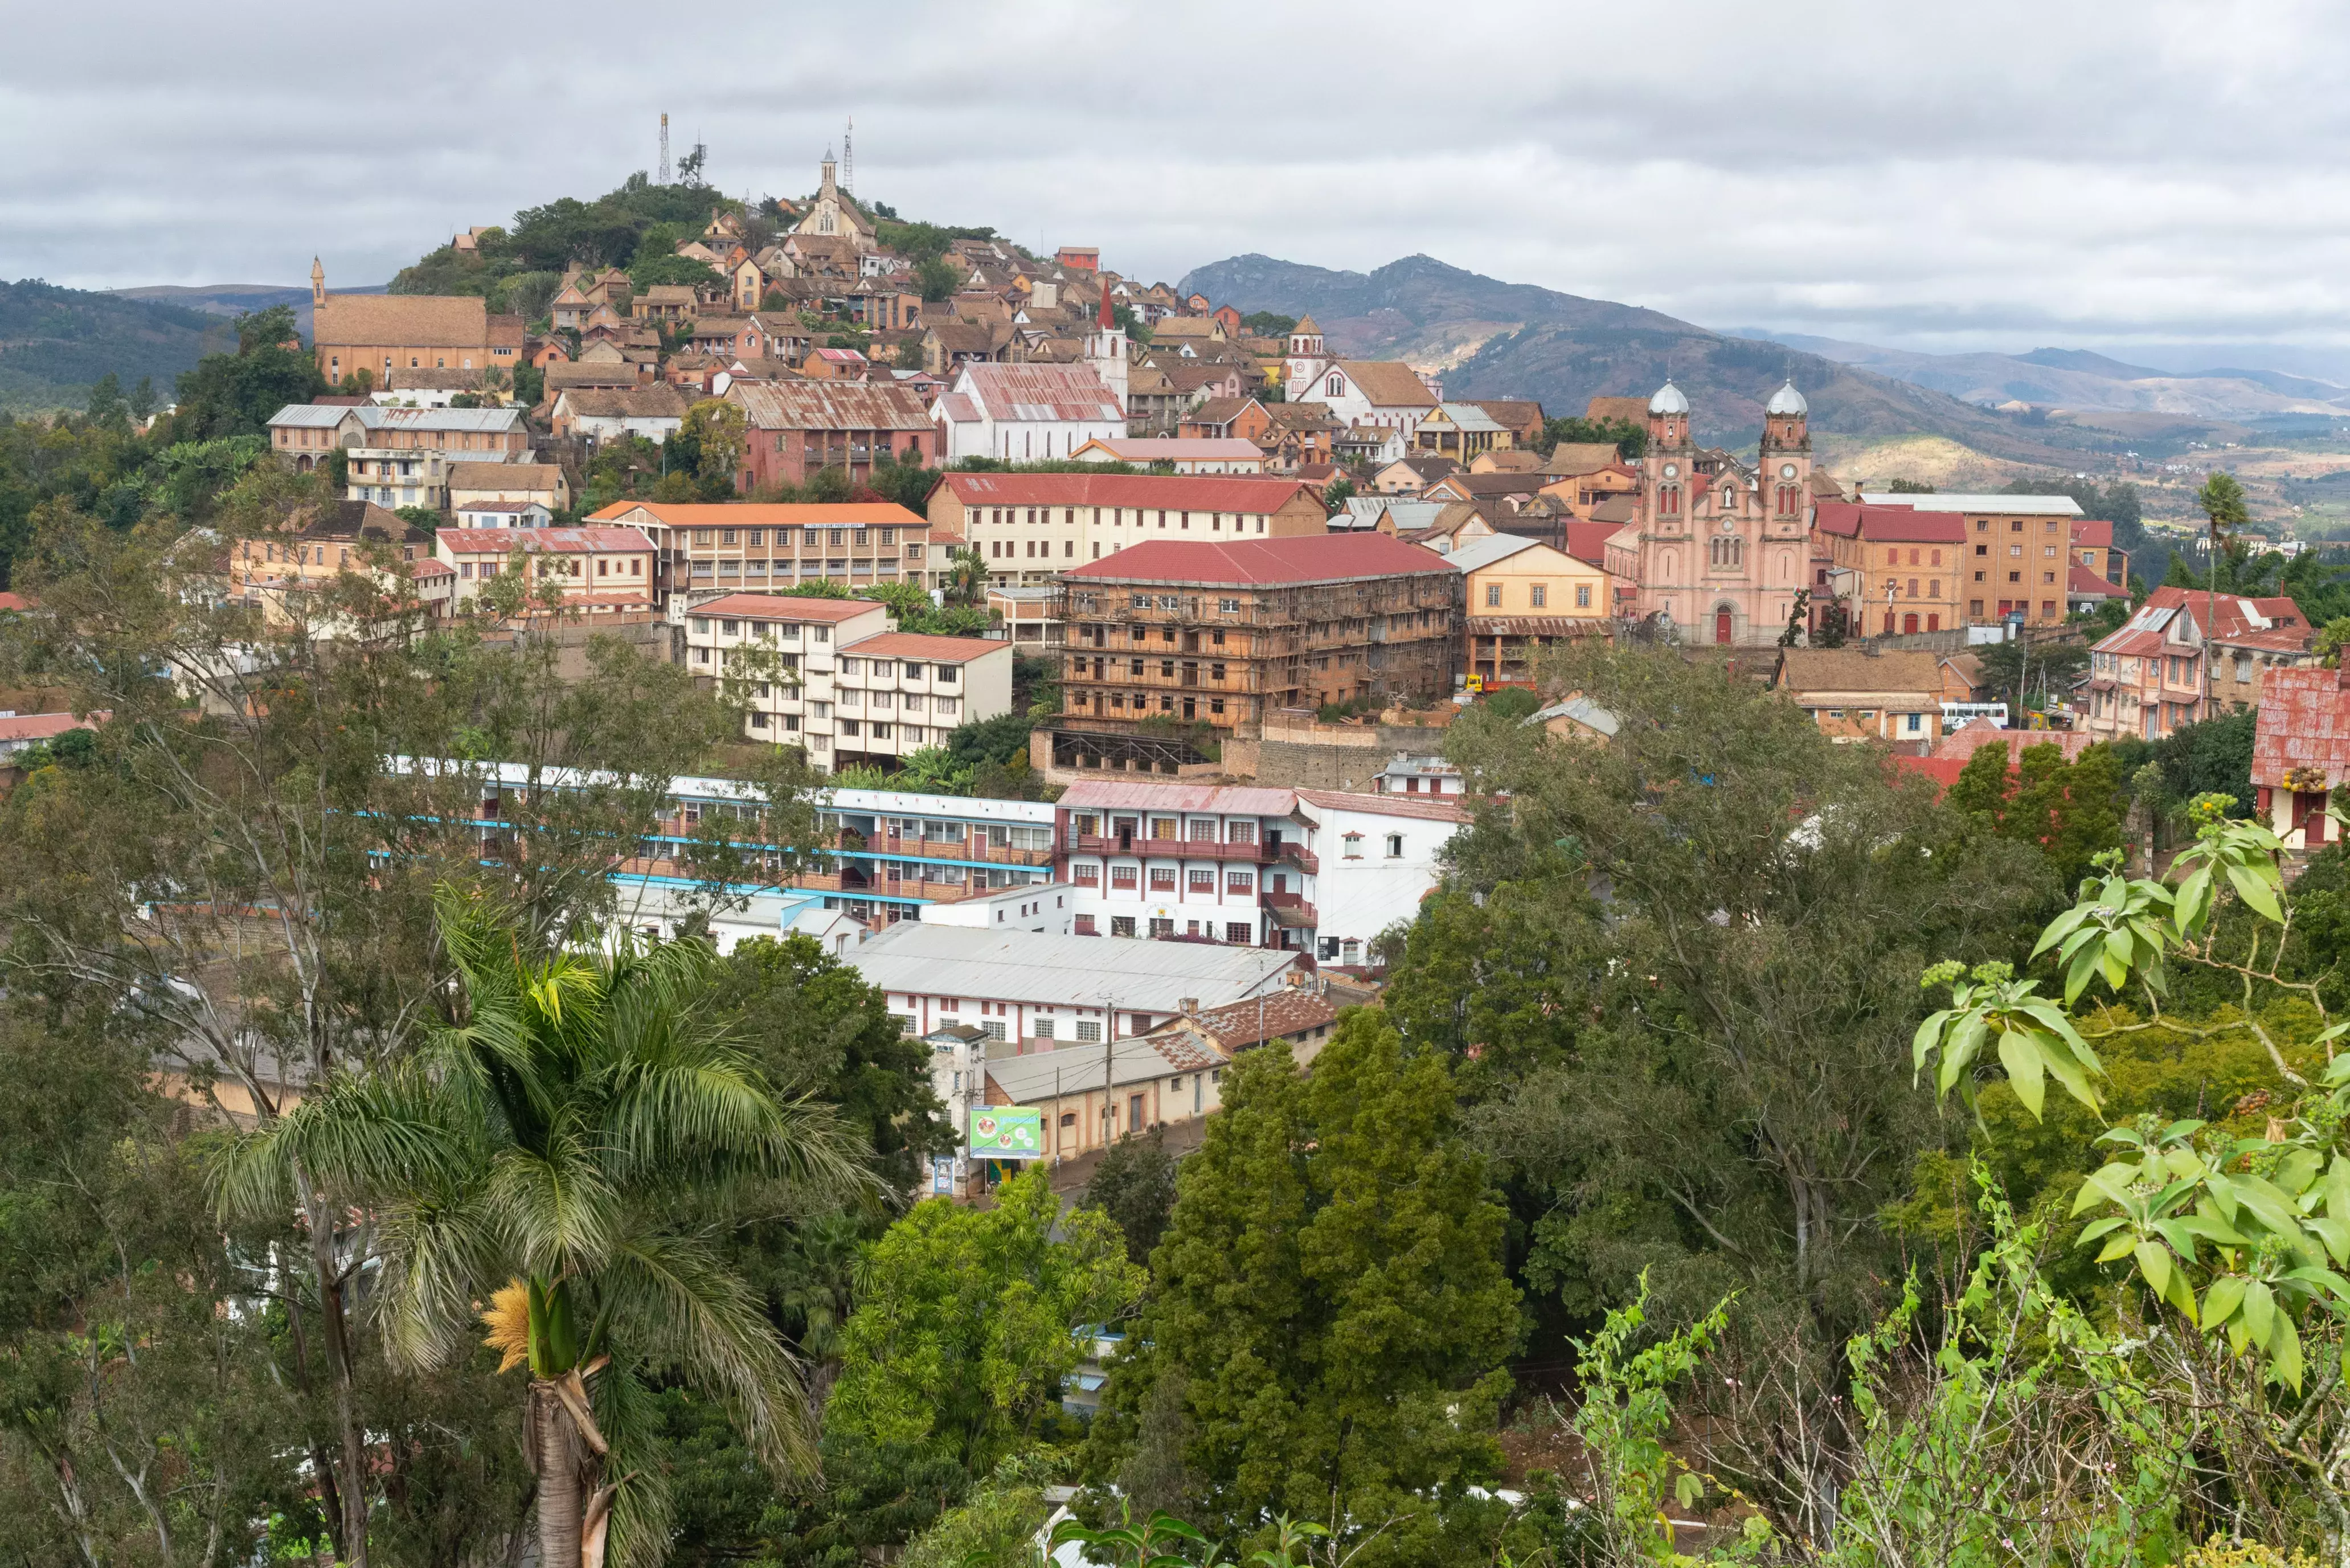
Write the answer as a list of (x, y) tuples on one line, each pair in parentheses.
[(1587, 542), (1384, 804), (755, 515), (1976, 733), (1227, 800), (2083, 581), (917, 645), (1889, 522), (42, 726), (18, 602), (2233, 616), (1307, 558), (506, 541), (787, 607), (2303, 722), (1174, 492), (2092, 533)]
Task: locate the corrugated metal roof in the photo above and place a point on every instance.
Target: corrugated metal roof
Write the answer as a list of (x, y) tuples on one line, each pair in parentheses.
[(1976, 501), (786, 607), (1131, 975), (2303, 722), (533, 541), (1073, 1069), (935, 649), (1041, 392)]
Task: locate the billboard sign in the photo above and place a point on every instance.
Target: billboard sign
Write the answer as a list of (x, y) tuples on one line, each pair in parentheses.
[(1007, 1132)]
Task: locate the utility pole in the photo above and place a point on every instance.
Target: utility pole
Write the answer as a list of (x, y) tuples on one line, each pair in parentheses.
[(664, 149), (848, 157)]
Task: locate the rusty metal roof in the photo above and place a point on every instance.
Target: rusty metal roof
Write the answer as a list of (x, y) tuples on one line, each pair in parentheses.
[(2304, 722)]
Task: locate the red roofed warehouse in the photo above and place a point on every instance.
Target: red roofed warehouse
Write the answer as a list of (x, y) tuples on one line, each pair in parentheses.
[(1030, 527), (1230, 633)]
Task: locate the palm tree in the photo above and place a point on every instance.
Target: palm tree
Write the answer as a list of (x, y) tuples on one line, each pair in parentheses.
[(2222, 500), (559, 1154), (966, 580)]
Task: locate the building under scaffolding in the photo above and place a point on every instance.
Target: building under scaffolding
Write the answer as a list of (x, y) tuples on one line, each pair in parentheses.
[(1172, 645)]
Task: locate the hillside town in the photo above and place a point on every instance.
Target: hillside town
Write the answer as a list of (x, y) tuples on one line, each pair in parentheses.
[(938, 888)]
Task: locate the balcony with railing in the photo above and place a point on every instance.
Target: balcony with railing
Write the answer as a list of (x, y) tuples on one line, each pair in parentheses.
[(1166, 848), (1289, 910)]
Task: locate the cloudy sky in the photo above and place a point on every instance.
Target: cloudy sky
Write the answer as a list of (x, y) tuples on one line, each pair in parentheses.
[(2166, 179)]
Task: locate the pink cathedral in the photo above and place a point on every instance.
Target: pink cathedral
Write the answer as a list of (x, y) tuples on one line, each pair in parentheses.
[(1720, 550)]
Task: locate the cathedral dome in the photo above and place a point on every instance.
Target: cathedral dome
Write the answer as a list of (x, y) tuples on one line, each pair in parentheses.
[(1787, 400), (1668, 400)]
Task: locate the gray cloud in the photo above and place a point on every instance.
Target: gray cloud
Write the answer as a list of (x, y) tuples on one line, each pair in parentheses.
[(1996, 175)]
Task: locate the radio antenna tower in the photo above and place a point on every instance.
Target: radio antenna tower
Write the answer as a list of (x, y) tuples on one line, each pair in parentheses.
[(848, 157), (664, 156)]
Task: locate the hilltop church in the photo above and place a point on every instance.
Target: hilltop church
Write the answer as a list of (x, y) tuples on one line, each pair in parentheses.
[(1721, 550)]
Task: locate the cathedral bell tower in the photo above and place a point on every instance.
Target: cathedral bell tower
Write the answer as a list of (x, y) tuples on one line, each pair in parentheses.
[(1106, 350), (1786, 467), (1667, 472)]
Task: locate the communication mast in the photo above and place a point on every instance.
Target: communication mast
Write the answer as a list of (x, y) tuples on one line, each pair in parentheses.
[(664, 156), (848, 157)]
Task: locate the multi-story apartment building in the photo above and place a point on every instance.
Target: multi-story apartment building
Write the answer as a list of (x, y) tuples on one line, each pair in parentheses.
[(1894, 570), (606, 573), (398, 457), (1316, 871), (796, 427), (1030, 527), (2148, 678), (831, 677), (345, 535), (2018, 551), (731, 548), (1227, 634)]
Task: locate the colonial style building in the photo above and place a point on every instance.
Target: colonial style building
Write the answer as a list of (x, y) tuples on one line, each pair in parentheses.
[(835, 213), (793, 428), (1031, 527), (381, 333), (1719, 551), (725, 548), (2148, 678)]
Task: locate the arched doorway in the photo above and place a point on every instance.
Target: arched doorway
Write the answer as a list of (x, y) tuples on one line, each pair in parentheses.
[(1724, 618)]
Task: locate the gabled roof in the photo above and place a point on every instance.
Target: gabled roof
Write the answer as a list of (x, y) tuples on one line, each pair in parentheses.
[(1263, 563), (1828, 670), (1906, 523), (1173, 491), (402, 320), (534, 541), (1041, 392), (1484, 552), (2304, 724), (787, 606), (654, 401), (1389, 383), (819, 405)]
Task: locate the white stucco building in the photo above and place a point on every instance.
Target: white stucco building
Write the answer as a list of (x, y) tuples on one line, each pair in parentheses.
[(1023, 412), (1313, 871)]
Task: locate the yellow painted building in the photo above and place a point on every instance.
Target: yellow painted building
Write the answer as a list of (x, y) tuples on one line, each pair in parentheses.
[(1521, 595)]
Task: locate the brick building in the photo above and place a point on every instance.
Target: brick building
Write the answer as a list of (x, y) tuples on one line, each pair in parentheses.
[(1227, 634), (796, 427)]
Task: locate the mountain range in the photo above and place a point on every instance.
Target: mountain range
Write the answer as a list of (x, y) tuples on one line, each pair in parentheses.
[(2077, 379), (1496, 339)]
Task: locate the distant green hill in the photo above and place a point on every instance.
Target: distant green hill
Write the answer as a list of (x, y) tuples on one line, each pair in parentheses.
[(54, 342)]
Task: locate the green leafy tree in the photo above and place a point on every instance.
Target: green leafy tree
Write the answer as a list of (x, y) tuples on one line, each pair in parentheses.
[(547, 1153), (1331, 1294), (968, 1322), (2071, 811), (966, 579), (937, 277), (1269, 324), (661, 267), (1631, 440), (816, 1027), (1134, 1184), (708, 445)]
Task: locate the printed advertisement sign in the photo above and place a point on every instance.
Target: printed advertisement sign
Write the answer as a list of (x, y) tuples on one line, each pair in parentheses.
[(1007, 1132)]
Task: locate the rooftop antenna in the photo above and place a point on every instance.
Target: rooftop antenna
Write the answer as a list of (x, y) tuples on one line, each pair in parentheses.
[(848, 157), (664, 156)]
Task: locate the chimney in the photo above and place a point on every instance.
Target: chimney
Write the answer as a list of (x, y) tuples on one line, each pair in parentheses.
[(1188, 1007)]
